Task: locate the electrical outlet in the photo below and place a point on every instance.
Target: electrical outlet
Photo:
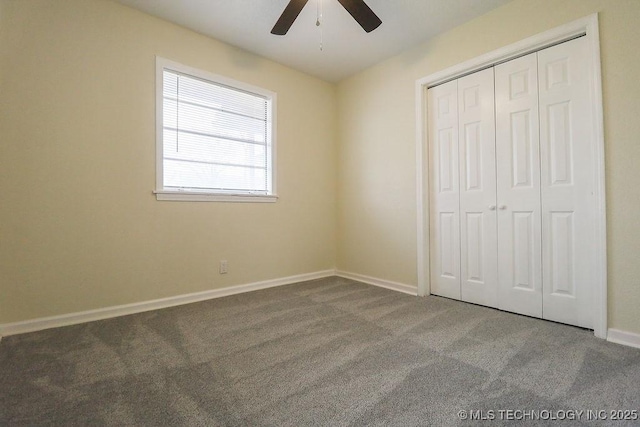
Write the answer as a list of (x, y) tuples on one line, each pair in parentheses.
[(223, 267)]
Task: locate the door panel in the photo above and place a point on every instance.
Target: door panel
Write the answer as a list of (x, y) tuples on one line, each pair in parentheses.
[(472, 166), (557, 142), (561, 239), (518, 186), (478, 191), (448, 248), (474, 244), (566, 147), (523, 251), (511, 174), (445, 190), (521, 149), (447, 159)]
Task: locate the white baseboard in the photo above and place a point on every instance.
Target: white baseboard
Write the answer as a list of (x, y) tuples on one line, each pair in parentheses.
[(614, 335), (139, 307), (617, 336), (395, 286)]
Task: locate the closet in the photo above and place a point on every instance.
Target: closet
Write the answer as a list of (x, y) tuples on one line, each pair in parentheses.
[(511, 158)]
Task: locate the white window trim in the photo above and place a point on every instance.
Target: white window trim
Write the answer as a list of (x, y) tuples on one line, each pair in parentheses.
[(208, 196)]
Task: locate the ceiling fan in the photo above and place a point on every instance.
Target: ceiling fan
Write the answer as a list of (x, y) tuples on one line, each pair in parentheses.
[(362, 13)]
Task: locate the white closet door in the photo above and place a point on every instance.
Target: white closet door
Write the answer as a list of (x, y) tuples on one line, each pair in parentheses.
[(445, 190), (518, 186), (566, 148), (478, 238)]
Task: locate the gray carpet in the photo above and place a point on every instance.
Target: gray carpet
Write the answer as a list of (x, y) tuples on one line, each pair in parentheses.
[(326, 352)]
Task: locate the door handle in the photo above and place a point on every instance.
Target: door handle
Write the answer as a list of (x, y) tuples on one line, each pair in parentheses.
[(502, 207), (492, 207)]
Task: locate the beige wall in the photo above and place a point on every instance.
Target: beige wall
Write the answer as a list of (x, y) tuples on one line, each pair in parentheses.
[(79, 226), (80, 229), (377, 192)]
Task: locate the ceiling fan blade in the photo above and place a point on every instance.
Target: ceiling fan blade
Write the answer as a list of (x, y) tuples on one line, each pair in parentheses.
[(287, 18), (362, 13)]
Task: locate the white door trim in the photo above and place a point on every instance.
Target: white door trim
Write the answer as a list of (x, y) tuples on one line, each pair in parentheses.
[(588, 27)]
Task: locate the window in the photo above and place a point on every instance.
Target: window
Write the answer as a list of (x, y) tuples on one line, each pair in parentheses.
[(215, 137)]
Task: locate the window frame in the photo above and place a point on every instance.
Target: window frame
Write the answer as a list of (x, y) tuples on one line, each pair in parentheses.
[(209, 195)]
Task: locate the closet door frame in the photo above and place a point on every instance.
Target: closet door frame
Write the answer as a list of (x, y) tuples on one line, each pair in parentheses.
[(585, 27)]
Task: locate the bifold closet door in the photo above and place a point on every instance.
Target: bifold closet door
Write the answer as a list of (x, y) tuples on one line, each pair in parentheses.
[(477, 164), (444, 189), (568, 213), (518, 186), (511, 186)]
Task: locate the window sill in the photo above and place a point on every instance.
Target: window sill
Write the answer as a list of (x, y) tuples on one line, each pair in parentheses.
[(195, 196)]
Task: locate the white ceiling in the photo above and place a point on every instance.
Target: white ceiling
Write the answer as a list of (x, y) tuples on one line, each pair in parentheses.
[(347, 49)]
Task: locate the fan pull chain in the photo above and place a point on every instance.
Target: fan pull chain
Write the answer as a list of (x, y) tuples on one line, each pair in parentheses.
[(319, 19)]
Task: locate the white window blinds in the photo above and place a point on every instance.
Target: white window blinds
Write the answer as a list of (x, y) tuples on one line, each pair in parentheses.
[(215, 138)]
